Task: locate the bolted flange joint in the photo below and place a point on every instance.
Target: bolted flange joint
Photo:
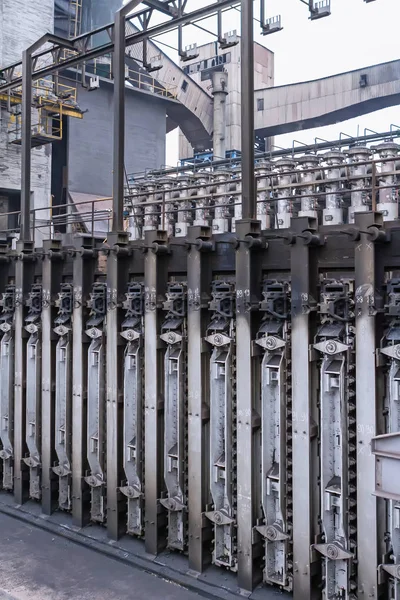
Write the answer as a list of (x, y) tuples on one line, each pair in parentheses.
[(310, 238)]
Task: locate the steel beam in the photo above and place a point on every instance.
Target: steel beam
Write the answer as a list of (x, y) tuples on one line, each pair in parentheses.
[(366, 281), (162, 7), (130, 40), (117, 279), (26, 135), (83, 275), (155, 277), (7, 369), (249, 197), (26, 110), (199, 284), (24, 270), (305, 480), (119, 114), (248, 288), (51, 281), (117, 241)]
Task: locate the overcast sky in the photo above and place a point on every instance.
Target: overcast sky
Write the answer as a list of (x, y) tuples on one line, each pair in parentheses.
[(357, 34)]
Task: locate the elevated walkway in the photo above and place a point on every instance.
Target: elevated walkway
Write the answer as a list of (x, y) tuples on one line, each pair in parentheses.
[(328, 100), (194, 113)]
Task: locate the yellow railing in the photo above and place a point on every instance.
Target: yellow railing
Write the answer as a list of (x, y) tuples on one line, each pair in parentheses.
[(49, 95), (46, 90), (46, 128)]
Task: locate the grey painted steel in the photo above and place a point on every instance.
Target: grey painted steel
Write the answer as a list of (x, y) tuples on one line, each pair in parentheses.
[(23, 279), (154, 393), (198, 398), (19, 396), (132, 330), (95, 52), (248, 404), (116, 280), (174, 334), (50, 280), (33, 408), (26, 110), (26, 134), (387, 489), (249, 197), (96, 400), (365, 297), (63, 402), (335, 344), (119, 114), (273, 337), (221, 337), (7, 386), (83, 273), (305, 484), (113, 398)]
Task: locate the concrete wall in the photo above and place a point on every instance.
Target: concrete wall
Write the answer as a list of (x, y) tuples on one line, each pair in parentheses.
[(90, 143), (22, 22)]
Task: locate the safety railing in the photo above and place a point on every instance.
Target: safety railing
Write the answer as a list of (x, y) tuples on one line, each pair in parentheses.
[(46, 128), (143, 81)]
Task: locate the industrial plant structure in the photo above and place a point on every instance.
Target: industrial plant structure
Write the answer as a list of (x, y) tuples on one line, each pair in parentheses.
[(202, 363)]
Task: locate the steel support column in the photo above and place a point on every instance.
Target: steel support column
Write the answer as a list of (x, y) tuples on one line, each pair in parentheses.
[(199, 284), (366, 404), (132, 39), (26, 115), (83, 276), (51, 281), (117, 279), (119, 113), (117, 241), (23, 279), (248, 289), (305, 478), (155, 277), (249, 197)]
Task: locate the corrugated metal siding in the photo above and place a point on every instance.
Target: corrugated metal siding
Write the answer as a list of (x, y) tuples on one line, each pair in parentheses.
[(340, 96)]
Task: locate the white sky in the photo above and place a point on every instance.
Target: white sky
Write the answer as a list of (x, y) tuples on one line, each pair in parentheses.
[(357, 34)]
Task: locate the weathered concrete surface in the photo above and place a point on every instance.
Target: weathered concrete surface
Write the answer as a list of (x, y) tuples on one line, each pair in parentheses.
[(328, 100), (34, 565)]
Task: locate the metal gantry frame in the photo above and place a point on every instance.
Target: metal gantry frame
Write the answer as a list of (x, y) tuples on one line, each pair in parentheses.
[(246, 524)]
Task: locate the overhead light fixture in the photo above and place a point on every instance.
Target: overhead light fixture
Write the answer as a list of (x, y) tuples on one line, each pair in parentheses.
[(321, 9), (270, 24)]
